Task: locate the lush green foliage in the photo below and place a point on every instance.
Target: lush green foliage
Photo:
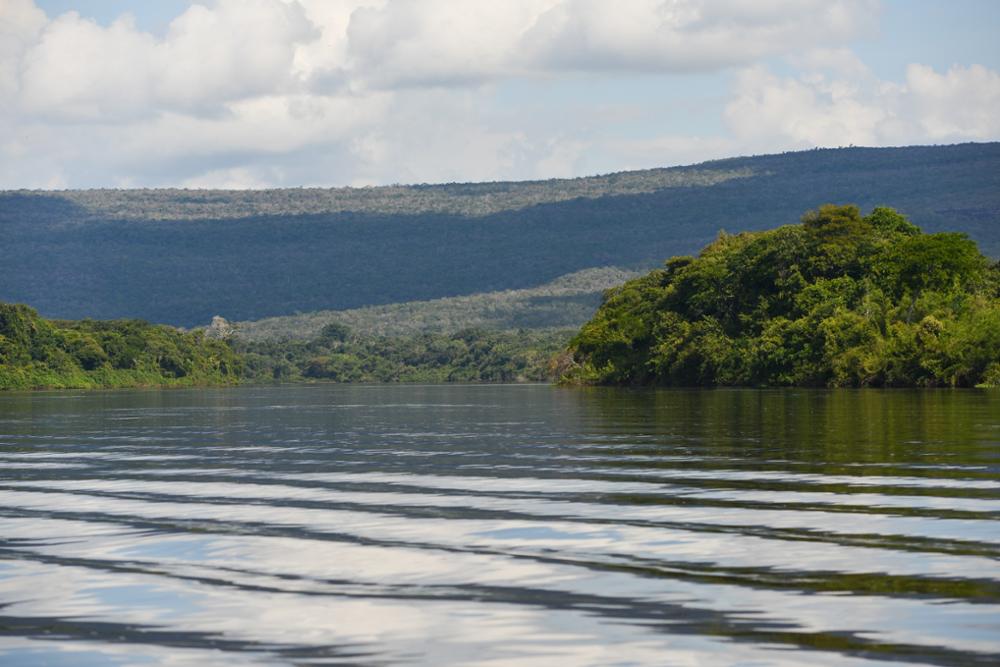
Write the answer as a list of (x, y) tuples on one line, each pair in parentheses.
[(467, 356), (183, 256), (839, 300), (564, 303), (39, 353)]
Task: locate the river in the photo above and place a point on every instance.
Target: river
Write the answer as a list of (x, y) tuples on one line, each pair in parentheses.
[(496, 525)]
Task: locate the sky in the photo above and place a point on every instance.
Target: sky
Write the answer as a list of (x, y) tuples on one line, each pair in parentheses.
[(290, 93)]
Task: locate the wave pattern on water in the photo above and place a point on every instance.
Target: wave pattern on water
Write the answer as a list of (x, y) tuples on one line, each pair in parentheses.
[(499, 525)]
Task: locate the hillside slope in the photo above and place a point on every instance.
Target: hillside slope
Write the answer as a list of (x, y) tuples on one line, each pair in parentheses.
[(564, 303), (183, 256)]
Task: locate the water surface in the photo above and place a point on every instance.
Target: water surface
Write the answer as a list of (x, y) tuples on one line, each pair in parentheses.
[(495, 525)]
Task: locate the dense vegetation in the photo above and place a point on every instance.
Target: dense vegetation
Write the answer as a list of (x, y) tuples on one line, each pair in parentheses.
[(838, 300), (39, 353), (466, 356), (565, 303), (183, 256), (36, 353)]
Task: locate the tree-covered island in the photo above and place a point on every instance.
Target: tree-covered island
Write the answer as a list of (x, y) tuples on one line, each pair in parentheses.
[(839, 300)]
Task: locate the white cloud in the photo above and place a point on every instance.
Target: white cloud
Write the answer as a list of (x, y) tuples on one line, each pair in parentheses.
[(437, 41), (962, 103), (837, 101), (261, 125), (245, 93), (81, 71), (809, 111), (20, 24), (445, 43), (669, 150), (71, 67), (689, 35), (234, 178), (438, 135), (237, 49)]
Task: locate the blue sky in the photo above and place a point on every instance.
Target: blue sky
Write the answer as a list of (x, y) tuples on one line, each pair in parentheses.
[(257, 93), (940, 33), (153, 16)]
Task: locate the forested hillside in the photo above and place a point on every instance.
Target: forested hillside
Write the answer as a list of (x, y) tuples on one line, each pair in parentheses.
[(181, 257), (564, 303), (38, 353), (838, 300)]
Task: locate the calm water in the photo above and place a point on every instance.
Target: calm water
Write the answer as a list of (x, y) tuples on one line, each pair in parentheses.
[(486, 525)]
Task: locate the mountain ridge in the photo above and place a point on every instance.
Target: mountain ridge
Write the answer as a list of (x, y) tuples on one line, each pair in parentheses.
[(73, 262)]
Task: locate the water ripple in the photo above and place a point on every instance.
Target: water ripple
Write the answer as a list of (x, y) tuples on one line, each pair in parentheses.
[(499, 525)]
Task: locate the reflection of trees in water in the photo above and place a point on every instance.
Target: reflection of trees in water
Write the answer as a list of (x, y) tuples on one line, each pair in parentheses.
[(825, 427)]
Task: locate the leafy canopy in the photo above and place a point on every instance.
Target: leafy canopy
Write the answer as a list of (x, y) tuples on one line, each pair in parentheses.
[(838, 300), (36, 352)]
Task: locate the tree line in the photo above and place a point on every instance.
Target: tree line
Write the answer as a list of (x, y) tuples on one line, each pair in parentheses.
[(838, 300)]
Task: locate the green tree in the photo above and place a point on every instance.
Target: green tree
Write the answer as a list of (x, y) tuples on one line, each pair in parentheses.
[(839, 300)]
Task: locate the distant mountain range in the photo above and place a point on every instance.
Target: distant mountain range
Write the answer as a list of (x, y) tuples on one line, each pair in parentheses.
[(182, 256)]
